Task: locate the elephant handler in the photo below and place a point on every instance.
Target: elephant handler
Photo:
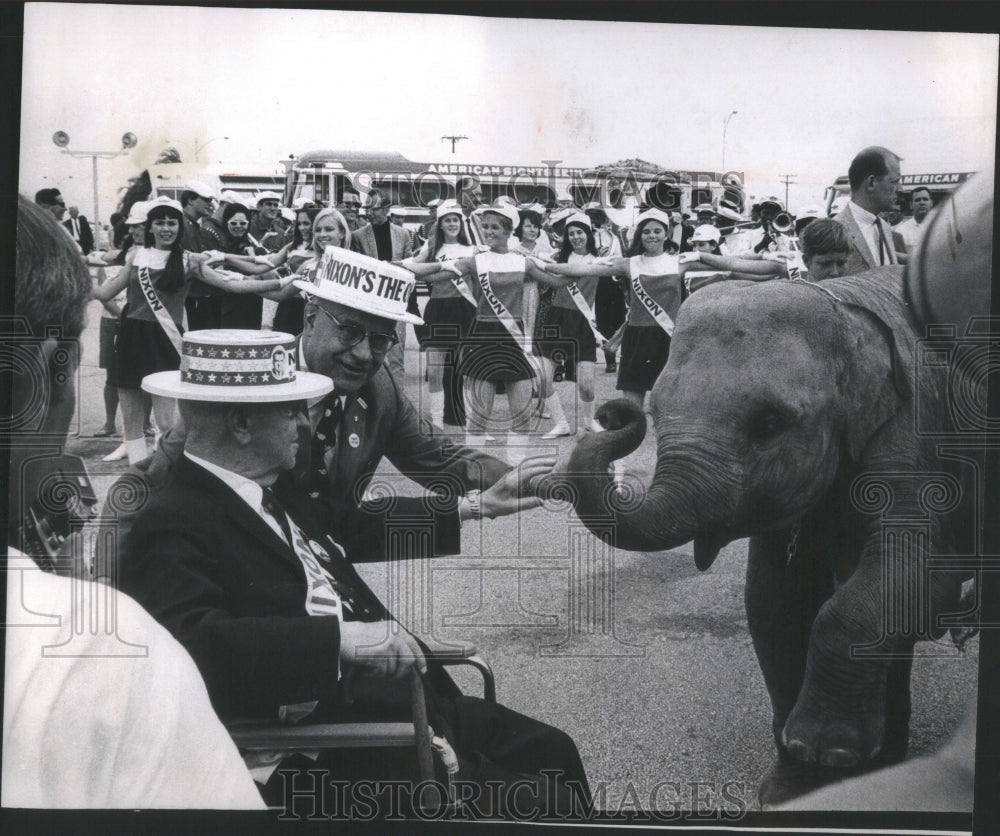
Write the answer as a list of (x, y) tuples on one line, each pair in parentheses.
[(280, 624)]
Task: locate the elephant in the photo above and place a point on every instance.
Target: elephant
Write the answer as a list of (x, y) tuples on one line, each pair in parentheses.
[(797, 414)]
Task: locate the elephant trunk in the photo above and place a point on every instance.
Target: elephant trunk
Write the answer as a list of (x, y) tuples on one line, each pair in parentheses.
[(686, 500)]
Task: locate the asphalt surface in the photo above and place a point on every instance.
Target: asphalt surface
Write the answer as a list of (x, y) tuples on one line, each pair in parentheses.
[(646, 662)]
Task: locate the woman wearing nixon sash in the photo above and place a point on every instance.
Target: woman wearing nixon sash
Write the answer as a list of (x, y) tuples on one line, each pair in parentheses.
[(451, 308), (157, 277), (571, 319), (655, 295), (499, 347)]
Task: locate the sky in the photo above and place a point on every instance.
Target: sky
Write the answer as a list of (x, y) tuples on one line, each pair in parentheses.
[(280, 82)]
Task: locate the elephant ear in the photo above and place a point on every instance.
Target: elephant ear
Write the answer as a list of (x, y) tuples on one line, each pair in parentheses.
[(880, 373)]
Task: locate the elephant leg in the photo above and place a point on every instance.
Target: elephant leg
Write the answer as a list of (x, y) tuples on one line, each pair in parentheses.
[(782, 599), (897, 710)]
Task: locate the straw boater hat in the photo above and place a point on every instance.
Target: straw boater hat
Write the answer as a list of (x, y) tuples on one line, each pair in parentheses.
[(364, 283), (448, 207), (238, 367)]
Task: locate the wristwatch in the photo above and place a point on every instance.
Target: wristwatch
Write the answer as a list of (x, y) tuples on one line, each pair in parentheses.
[(475, 507)]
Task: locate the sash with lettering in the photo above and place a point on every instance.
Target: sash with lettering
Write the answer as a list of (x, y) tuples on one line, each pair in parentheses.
[(498, 307), (654, 308), (159, 309), (588, 312), (460, 285)]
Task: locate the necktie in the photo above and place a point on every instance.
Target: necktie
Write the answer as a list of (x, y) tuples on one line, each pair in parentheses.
[(76, 228), (269, 502), (883, 246), (324, 444)]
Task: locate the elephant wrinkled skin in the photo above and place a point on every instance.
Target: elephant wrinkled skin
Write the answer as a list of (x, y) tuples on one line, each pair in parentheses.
[(789, 412)]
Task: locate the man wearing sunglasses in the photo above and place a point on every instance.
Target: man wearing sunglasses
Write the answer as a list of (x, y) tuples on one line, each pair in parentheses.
[(346, 336)]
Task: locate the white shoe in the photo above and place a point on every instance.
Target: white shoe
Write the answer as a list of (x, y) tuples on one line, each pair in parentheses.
[(116, 455), (558, 431)]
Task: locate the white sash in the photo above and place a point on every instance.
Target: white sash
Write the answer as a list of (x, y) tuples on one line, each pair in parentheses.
[(588, 313), (460, 285), (654, 308), (159, 309), (501, 311)]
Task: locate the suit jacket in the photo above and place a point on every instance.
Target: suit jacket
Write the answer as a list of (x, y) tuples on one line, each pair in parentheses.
[(861, 257), (86, 239), (380, 422), (363, 241), (208, 568)]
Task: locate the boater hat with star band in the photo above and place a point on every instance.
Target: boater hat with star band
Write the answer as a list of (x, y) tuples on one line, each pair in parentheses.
[(234, 366)]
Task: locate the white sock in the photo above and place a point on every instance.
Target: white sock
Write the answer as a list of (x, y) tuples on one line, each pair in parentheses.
[(555, 408), (435, 400), (517, 448), (136, 450), (619, 466), (586, 413)]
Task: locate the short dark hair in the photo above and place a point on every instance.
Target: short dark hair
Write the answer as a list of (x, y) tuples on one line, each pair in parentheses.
[(377, 197), (51, 282), (234, 209), (47, 197), (822, 236), (528, 215), (913, 194), (871, 162), (187, 196)]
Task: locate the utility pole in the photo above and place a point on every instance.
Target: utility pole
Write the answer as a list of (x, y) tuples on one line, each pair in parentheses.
[(453, 138), (787, 178)]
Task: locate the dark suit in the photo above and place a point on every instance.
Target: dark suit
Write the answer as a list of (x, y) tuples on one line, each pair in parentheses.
[(86, 239), (208, 568), (380, 422), (861, 257)]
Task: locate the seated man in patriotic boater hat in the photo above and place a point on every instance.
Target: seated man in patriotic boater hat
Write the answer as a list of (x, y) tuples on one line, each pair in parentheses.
[(240, 567)]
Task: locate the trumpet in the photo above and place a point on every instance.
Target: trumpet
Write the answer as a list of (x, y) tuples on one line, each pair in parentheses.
[(783, 223)]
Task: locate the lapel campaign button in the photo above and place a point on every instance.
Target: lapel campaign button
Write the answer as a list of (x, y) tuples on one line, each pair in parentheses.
[(354, 440)]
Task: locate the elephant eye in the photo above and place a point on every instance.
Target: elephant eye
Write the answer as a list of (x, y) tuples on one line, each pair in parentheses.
[(765, 424)]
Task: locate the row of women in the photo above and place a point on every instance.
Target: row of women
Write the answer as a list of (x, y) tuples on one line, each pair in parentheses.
[(481, 315)]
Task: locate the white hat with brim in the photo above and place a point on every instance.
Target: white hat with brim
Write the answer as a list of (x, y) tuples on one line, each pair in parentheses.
[(137, 214), (705, 233), (653, 215), (363, 283), (229, 196), (268, 196), (447, 207), (163, 203), (504, 209), (200, 189), (235, 366), (287, 214), (704, 209), (579, 218)]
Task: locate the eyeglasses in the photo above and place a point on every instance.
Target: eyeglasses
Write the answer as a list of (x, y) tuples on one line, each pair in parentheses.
[(238, 223), (350, 334)]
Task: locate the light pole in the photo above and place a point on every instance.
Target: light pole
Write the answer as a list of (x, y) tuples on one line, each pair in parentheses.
[(61, 139), (725, 127)]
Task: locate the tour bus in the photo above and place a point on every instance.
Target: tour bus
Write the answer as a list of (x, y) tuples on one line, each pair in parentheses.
[(323, 176), (940, 185)]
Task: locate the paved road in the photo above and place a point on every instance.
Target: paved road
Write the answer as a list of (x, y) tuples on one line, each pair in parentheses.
[(647, 664)]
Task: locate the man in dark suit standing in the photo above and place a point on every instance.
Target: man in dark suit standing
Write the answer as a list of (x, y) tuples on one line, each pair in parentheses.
[(874, 178), (275, 616), (386, 241), (79, 230)]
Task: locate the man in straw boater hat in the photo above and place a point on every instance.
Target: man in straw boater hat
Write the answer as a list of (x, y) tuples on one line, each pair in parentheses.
[(240, 568), (103, 708)]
